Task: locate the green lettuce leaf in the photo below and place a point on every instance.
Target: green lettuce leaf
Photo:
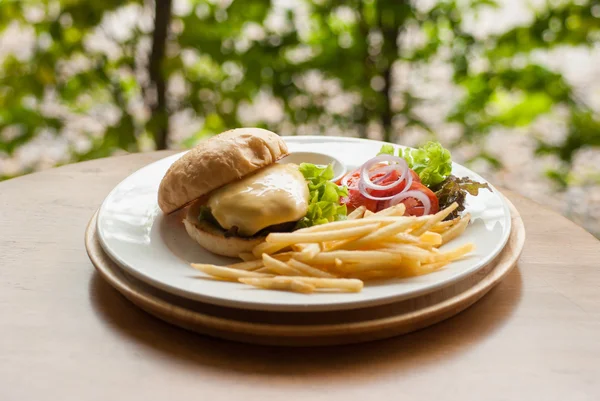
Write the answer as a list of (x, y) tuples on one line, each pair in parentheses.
[(206, 214), (454, 189), (386, 150), (324, 201), (432, 162)]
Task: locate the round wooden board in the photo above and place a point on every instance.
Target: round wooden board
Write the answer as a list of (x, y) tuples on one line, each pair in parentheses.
[(311, 328)]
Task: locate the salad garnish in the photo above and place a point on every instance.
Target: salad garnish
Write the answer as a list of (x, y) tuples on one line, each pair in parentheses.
[(454, 189), (419, 178)]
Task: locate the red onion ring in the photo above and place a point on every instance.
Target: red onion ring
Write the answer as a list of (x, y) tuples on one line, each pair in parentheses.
[(387, 169), (400, 165), (363, 192), (418, 195), (409, 178)]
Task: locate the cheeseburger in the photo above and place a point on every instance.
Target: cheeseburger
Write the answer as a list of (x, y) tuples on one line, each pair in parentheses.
[(235, 191)]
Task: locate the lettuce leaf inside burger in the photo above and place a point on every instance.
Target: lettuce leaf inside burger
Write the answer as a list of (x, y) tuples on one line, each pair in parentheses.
[(237, 193)]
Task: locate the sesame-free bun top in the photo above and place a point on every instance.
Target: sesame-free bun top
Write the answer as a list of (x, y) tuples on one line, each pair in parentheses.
[(218, 161)]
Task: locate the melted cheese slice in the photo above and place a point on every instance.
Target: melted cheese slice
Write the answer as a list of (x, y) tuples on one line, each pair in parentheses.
[(274, 195)]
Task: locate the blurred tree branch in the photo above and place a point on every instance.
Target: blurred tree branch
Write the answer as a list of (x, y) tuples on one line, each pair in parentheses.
[(159, 122), (389, 23)]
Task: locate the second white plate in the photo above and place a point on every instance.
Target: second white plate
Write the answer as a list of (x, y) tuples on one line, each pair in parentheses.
[(157, 250)]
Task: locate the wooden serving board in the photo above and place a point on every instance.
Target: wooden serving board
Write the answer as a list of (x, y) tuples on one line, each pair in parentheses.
[(311, 328)]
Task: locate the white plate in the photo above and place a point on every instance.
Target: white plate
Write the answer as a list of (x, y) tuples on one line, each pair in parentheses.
[(157, 250)]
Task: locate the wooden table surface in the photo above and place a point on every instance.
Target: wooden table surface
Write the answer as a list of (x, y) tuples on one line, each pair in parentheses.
[(67, 335)]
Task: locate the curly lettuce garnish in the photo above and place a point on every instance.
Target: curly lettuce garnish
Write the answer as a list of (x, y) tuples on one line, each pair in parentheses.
[(454, 189), (432, 162), (324, 202)]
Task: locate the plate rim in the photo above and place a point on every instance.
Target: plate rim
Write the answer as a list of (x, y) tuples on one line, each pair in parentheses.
[(299, 307)]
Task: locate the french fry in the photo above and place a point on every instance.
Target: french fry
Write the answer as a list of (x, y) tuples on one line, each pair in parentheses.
[(300, 286), (308, 270), (308, 247), (268, 248), (352, 285), (436, 218), (402, 264), (431, 267), (385, 220), (357, 213), (279, 267), (404, 238), (456, 229), (284, 256), (331, 245), (448, 223), (374, 275), (299, 247), (444, 225), (451, 255), (291, 238), (226, 272), (279, 284), (248, 256), (386, 274), (396, 210), (431, 238), (251, 265), (311, 250), (408, 251), (348, 257), (426, 246), (338, 225), (367, 214), (382, 220)]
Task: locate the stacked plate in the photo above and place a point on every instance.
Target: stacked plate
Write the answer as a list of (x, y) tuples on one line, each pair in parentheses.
[(147, 256)]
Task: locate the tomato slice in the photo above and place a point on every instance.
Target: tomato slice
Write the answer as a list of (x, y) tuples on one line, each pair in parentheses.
[(415, 176), (394, 176), (414, 207), (355, 199)]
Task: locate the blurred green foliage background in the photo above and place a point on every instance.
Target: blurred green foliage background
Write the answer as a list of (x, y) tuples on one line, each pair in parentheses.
[(106, 76)]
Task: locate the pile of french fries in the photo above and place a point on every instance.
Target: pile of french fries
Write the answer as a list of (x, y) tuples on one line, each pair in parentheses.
[(341, 255)]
